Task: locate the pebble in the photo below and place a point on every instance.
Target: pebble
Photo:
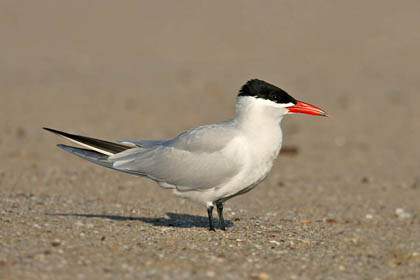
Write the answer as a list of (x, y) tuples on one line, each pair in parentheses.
[(416, 183), (261, 276), (56, 242), (305, 221), (78, 223), (210, 274), (404, 214)]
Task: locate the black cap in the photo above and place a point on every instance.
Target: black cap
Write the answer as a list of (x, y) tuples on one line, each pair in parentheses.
[(260, 89)]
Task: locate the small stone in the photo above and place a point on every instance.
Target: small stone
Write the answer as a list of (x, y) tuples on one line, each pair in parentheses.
[(355, 240), (78, 223), (261, 276), (305, 221), (107, 270), (416, 183), (56, 242), (369, 216), (210, 273), (403, 213)]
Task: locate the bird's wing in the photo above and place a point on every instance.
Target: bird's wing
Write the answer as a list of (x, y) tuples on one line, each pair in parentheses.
[(142, 143), (205, 139), (202, 138), (198, 159)]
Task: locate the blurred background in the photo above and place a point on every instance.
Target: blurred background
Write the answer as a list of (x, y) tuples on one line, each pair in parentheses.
[(147, 69), (152, 69), (143, 69)]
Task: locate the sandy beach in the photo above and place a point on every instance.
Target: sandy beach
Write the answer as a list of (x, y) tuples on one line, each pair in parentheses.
[(342, 201)]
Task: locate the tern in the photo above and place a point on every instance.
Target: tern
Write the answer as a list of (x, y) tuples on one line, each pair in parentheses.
[(208, 164)]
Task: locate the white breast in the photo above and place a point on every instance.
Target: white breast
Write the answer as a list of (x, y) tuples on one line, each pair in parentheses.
[(257, 144), (259, 153)]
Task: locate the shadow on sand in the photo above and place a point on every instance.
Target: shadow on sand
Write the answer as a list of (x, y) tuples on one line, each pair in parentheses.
[(171, 219)]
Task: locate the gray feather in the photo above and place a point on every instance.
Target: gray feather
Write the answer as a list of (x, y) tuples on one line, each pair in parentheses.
[(191, 161), (87, 154)]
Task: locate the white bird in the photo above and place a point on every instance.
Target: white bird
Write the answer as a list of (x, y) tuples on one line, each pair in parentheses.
[(208, 164)]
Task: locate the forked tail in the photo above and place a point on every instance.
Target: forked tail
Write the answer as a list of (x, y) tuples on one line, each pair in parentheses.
[(100, 146), (98, 150)]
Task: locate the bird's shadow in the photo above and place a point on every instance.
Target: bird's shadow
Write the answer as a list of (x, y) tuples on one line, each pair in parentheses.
[(170, 220)]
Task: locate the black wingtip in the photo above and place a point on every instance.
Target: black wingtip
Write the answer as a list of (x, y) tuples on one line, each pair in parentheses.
[(103, 145), (62, 133), (52, 130)]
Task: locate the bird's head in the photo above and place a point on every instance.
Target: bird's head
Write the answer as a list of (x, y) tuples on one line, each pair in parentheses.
[(277, 97)]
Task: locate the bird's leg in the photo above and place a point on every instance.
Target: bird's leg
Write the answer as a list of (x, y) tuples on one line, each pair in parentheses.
[(219, 206), (210, 212)]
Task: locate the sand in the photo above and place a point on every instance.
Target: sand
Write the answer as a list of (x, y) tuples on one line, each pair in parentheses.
[(342, 202)]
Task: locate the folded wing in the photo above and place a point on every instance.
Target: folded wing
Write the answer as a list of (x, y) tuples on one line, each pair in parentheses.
[(195, 160)]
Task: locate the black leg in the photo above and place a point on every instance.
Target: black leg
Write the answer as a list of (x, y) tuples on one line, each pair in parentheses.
[(219, 205), (210, 212)]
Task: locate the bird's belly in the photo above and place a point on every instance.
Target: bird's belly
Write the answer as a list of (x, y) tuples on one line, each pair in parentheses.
[(249, 179)]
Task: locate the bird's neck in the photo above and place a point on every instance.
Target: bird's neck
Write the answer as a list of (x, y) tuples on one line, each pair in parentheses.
[(258, 115), (259, 122)]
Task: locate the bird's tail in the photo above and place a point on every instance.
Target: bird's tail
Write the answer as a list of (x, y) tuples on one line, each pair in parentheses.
[(97, 145), (89, 155), (98, 150)]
